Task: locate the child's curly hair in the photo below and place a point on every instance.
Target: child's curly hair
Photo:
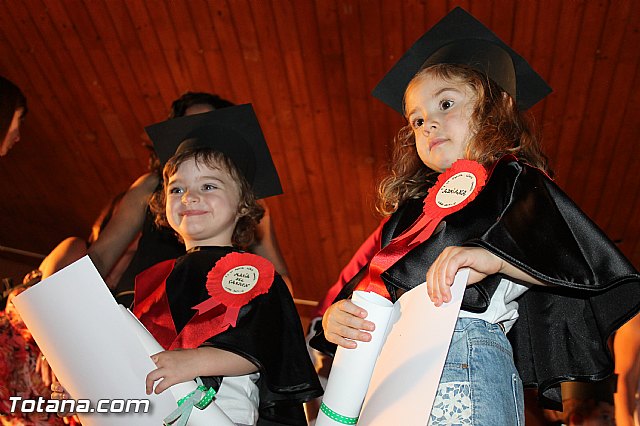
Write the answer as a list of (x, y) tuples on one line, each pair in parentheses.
[(248, 208), (498, 128)]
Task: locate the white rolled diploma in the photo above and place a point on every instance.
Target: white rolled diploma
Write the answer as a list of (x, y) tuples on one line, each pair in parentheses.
[(352, 368), (407, 373), (95, 348), (212, 415), (79, 328)]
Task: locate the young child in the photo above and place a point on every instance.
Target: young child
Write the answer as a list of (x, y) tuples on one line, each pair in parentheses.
[(461, 90), (134, 222), (223, 314)]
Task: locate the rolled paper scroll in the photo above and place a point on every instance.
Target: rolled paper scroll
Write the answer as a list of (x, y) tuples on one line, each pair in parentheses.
[(407, 373), (80, 329), (394, 378), (92, 347), (351, 369)]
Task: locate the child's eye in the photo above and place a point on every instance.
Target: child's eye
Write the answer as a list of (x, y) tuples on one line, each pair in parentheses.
[(175, 190), (446, 104), (209, 187), (417, 122)]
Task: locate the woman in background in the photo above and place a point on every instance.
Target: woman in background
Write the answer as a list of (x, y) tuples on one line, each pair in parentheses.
[(13, 108)]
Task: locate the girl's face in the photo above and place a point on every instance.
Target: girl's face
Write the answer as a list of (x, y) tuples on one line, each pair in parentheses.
[(202, 204), (13, 134), (439, 112)]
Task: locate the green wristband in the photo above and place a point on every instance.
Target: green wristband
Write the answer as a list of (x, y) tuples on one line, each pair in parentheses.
[(199, 398)]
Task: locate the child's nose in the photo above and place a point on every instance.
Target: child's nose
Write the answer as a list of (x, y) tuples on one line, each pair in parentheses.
[(189, 197), (431, 124), (428, 127)]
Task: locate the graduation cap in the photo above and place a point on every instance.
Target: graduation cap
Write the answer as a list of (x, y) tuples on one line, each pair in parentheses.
[(459, 38), (233, 131)]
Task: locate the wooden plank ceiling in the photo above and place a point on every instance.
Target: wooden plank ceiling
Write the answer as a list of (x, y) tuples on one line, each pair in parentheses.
[(96, 72)]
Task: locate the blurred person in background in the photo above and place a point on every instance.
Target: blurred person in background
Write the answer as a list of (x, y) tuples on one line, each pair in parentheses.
[(13, 108), (626, 350)]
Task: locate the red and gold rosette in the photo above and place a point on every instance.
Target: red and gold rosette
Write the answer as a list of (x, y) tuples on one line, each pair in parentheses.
[(455, 188), (234, 281)]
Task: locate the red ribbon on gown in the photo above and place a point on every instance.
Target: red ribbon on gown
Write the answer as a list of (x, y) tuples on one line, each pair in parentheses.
[(234, 281), (455, 188)]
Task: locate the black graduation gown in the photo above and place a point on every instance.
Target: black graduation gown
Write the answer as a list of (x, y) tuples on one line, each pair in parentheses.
[(268, 330), (524, 218)]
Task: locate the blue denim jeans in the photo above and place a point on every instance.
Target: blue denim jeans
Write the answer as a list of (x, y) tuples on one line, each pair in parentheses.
[(479, 385)]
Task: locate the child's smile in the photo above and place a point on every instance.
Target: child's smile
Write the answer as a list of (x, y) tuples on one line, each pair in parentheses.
[(439, 113), (193, 212), (202, 204)]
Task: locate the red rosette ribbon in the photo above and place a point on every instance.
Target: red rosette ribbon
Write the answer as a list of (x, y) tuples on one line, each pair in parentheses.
[(455, 188), (234, 281)]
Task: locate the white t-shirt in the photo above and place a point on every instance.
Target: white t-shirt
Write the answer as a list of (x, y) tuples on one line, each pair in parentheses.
[(238, 398), (503, 307)]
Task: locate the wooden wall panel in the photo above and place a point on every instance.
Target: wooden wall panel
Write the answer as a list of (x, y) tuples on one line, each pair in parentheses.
[(582, 159), (608, 152), (96, 72), (573, 105)]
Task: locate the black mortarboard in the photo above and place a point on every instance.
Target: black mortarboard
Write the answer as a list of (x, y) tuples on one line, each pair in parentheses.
[(233, 131), (459, 38)]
